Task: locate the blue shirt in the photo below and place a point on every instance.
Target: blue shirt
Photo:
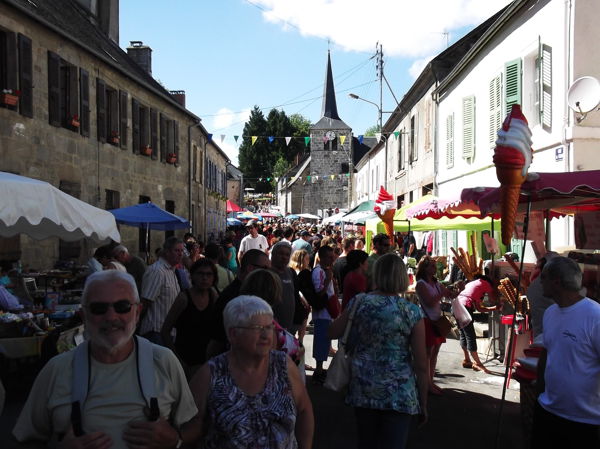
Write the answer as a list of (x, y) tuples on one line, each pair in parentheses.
[(382, 369)]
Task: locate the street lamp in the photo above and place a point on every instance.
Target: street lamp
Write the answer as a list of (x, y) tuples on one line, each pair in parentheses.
[(379, 111), (380, 124)]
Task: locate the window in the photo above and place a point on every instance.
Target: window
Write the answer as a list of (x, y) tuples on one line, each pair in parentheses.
[(144, 127), (63, 93), (169, 137), (8, 66), (401, 150), (414, 151), (468, 110), (450, 141), (495, 109), (135, 126), (113, 199), (112, 116)]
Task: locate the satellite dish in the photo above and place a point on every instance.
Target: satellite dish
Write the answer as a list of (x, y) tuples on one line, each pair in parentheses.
[(584, 95)]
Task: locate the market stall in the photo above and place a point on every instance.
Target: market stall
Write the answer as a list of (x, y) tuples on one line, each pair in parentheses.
[(40, 210)]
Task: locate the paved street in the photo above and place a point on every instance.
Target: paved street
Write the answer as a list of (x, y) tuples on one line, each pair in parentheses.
[(464, 417)]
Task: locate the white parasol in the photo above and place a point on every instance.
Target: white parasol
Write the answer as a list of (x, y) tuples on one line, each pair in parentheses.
[(40, 210)]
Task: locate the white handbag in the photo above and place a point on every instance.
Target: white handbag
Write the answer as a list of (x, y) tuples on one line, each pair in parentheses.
[(339, 371), (460, 312)]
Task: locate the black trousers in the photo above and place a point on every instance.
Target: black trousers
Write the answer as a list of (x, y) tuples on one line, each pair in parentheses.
[(551, 431)]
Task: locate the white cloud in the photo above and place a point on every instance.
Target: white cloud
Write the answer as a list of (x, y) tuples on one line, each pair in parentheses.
[(417, 67), (229, 147), (224, 118), (405, 28)]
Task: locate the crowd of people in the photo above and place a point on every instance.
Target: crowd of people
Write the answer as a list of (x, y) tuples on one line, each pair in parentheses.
[(234, 315)]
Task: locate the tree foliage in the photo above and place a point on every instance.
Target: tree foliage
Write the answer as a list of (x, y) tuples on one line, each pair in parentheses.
[(372, 130), (265, 160)]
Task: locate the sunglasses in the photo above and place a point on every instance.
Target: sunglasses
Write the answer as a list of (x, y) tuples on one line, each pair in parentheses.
[(258, 328), (100, 308)]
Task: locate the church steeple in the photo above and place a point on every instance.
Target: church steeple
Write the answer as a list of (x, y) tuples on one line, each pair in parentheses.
[(329, 104)]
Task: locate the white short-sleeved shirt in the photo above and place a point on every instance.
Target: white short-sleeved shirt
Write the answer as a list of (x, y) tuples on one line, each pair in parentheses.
[(160, 286), (572, 339), (259, 242), (114, 398)]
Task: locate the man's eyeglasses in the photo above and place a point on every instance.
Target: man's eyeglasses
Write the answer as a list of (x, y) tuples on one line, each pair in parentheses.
[(258, 328), (100, 308)]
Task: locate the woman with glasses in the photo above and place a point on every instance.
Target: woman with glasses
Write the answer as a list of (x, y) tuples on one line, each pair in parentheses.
[(252, 396), (430, 292), (191, 315)]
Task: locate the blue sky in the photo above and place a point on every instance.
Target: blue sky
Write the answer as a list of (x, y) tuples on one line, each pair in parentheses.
[(229, 55)]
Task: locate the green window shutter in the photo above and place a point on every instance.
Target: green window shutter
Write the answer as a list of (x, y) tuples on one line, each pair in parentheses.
[(450, 141), (123, 98), (468, 110), (495, 109), (546, 87), (101, 109), (513, 87), (54, 89)]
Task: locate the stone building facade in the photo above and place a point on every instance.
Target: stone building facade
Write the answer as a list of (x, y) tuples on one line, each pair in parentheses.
[(94, 123)]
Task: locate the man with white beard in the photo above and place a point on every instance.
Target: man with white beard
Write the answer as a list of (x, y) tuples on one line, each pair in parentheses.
[(134, 393)]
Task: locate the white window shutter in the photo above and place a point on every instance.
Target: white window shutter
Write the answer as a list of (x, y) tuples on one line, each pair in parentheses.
[(546, 88), (495, 109), (468, 127), (450, 141)]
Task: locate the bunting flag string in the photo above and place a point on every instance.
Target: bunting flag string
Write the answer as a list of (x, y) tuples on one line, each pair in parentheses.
[(288, 139), (307, 178)]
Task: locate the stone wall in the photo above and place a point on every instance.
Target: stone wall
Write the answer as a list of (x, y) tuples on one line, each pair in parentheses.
[(323, 192), (34, 148)]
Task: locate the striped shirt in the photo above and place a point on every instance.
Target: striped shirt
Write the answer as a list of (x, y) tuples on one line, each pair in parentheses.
[(159, 286)]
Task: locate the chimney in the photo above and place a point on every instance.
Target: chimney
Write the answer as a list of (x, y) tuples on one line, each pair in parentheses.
[(141, 54), (108, 18), (178, 96)]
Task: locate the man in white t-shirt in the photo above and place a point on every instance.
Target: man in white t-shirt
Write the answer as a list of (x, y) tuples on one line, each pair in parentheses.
[(568, 410), (253, 240), (114, 411)]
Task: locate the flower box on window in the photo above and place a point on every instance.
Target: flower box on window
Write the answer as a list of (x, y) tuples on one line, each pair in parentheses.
[(147, 150), (9, 98), (114, 138), (74, 122), (171, 158)]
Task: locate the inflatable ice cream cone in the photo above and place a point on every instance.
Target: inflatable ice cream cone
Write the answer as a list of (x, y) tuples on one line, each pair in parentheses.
[(386, 210), (512, 157)]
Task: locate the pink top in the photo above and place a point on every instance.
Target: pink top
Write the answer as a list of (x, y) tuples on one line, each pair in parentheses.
[(473, 292), (434, 293)]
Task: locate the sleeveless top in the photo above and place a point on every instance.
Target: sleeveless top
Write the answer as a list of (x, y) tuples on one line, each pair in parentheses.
[(237, 420), (193, 334), (433, 313)]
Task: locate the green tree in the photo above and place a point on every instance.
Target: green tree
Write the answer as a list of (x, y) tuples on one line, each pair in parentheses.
[(372, 130), (270, 156)]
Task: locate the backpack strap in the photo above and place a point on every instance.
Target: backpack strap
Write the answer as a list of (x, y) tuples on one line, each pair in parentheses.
[(80, 383), (145, 375)]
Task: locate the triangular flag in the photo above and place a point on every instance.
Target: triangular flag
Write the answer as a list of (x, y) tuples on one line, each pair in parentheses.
[(378, 136), (342, 139), (396, 133), (254, 139), (347, 175), (271, 139), (268, 179), (222, 137), (316, 178), (210, 137), (308, 178), (288, 140), (306, 141), (276, 179), (360, 139), (260, 179), (332, 177), (236, 138)]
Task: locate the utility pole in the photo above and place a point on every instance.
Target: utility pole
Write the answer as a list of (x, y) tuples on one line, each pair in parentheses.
[(380, 77)]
